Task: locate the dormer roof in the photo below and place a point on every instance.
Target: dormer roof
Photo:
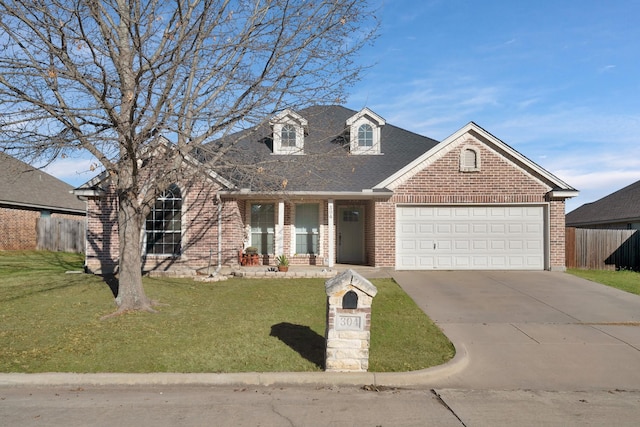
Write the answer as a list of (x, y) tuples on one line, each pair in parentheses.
[(289, 116)]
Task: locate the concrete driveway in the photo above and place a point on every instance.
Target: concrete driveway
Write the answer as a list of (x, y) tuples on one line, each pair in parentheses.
[(532, 330)]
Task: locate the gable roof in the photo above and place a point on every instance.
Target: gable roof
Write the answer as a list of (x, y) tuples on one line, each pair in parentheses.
[(620, 206), (25, 186), (326, 166), (559, 187)]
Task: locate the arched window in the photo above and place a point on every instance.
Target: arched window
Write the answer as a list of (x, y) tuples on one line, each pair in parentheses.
[(364, 132), (365, 135), (164, 224), (288, 136), (469, 160)]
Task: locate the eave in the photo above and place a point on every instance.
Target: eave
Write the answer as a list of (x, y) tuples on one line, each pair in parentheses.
[(41, 207), (563, 194), (341, 195)]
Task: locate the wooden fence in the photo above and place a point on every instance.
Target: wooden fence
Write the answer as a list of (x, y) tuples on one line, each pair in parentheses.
[(61, 234), (602, 249)]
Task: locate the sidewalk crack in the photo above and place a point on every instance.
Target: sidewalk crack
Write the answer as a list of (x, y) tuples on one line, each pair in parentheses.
[(443, 403), (526, 334)]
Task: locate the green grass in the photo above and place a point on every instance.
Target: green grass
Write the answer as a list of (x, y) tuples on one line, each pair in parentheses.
[(625, 280), (50, 322)]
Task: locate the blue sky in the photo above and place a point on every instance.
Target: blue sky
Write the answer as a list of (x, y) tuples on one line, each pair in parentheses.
[(559, 81)]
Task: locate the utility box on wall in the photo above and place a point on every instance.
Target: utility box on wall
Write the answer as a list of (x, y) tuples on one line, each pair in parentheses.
[(348, 333)]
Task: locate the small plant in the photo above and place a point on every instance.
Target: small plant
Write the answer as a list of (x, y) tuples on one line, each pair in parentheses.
[(282, 260), (251, 250)]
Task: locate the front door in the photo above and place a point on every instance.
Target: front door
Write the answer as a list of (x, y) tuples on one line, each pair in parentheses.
[(351, 235)]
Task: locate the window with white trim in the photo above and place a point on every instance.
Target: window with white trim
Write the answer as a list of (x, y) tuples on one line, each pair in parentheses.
[(288, 136), (307, 226), (365, 135), (288, 133), (364, 129), (263, 227), (163, 228)]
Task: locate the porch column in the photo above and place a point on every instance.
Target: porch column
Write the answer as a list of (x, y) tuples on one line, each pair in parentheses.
[(332, 233), (279, 244)]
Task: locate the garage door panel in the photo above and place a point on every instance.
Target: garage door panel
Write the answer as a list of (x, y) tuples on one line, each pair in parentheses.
[(534, 244), (462, 228), (497, 245), (425, 229), (471, 237), (480, 245), (408, 244), (426, 244)]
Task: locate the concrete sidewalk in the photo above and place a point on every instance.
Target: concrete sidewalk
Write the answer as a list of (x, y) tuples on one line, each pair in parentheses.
[(532, 330)]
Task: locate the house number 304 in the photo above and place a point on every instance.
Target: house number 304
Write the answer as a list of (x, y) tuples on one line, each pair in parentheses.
[(349, 323)]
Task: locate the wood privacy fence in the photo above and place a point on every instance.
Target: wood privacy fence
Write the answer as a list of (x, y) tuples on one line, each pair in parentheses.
[(61, 234), (601, 249)]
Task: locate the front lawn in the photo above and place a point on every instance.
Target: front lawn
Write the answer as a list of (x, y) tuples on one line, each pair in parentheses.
[(625, 280), (50, 322)]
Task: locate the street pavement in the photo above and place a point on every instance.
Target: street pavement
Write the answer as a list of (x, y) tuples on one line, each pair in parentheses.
[(534, 348)]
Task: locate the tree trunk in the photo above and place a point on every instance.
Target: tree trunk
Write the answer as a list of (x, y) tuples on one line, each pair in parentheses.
[(131, 294)]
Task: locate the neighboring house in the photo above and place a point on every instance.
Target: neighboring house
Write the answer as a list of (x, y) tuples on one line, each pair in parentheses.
[(27, 194), (618, 210), (343, 186)]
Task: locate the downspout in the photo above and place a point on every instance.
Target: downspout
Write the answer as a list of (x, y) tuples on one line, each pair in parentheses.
[(219, 266)]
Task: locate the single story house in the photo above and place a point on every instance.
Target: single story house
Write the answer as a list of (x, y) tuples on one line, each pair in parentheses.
[(619, 210), (333, 185), (27, 194)]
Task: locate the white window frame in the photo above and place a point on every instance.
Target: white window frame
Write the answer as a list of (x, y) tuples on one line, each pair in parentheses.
[(318, 232), (368, 117), (250, 226), (180, 232), (288, 117)]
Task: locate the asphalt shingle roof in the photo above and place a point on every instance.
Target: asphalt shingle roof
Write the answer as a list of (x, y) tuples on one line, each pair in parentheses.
[(22, 184), (620, 206), (326, 165)]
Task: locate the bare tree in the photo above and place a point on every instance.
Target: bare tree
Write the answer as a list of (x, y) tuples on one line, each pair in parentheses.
[(111, 76)]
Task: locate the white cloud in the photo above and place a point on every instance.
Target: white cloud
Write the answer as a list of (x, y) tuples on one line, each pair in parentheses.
[(73, 171)]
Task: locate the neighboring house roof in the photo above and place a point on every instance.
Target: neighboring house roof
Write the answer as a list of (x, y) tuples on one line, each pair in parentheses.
[(618, 207), (25, 186), (326, 165)]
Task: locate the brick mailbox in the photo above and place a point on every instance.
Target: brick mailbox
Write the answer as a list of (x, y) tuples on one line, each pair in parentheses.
[(349, 297)]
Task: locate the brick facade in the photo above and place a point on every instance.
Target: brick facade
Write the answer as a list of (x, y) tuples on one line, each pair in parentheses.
[(439, 181), (497, 182), (199, 233), (19, 227)]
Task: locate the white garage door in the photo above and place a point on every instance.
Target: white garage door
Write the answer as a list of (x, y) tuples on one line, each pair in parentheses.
[(470, 238)]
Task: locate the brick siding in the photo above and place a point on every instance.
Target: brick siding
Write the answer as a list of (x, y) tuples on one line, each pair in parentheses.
[(497, 182), (19, 227), (199, 237)]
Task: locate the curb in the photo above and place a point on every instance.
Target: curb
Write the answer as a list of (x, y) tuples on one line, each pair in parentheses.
[(412, 379)]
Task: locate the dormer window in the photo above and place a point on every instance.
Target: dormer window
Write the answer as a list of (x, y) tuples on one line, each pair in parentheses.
[(288, 133), (365, 136), (288, 136), (364, 132)]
